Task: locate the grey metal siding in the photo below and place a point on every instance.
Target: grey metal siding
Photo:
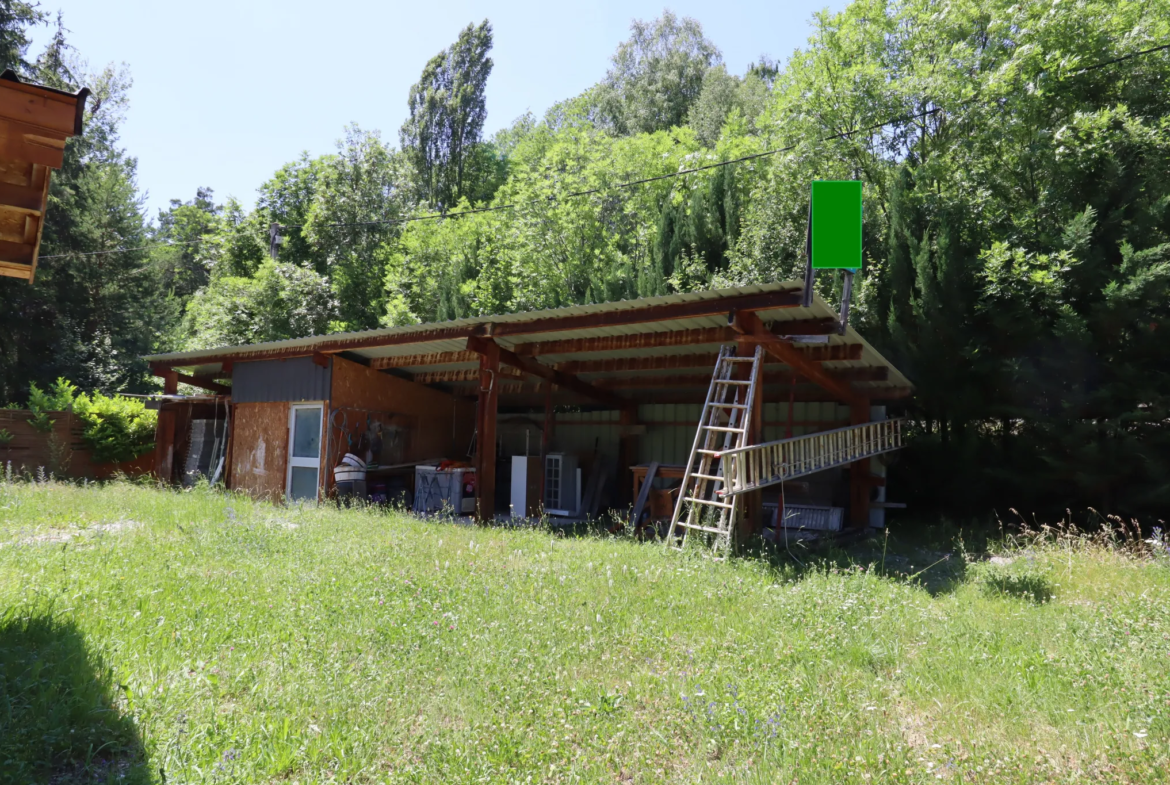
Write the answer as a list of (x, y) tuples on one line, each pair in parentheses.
[(297, 379)]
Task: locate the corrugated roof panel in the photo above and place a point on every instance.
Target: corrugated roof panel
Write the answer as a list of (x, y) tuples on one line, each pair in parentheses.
[(776, 317)]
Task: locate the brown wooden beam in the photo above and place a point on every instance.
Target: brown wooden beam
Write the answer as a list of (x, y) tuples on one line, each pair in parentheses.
[(617, 343), (169, 374), (818, 354), (25, 197), (530, 394), (843, 375), (748, 324), (15, 270), (859, 472), (750, 520), (418, 360), (487, 406), (164, 435), (464, 375), (716, 306), (559, 378), (668, 338)]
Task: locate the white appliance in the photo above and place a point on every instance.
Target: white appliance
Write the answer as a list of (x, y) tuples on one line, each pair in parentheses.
[(562, 484), (526, 476)]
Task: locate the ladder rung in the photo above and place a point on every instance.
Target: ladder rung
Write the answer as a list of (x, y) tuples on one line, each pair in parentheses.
[(733, 381), (709, 501), (707, 476), (695, 526), (716, 453), (722, 429), (730, 405), (739, 359)]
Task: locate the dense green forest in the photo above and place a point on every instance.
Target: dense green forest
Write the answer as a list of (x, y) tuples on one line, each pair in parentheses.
[(1017, 231)]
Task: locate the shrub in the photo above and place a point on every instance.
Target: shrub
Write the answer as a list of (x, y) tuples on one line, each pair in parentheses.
[(58, 398), (114, 428)]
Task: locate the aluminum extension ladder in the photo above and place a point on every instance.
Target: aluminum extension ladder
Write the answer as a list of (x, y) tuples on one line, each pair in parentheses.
[(702, 504), (760, 465)]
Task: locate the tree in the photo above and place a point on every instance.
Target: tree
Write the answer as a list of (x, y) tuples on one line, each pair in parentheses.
[(184, 255), (94, 309), (282, 301), (656, 75), (359, 195), (16, 18), (447, 112)]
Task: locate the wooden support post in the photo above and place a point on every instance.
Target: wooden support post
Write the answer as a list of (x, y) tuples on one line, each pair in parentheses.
[(550, 421), (164, 436), (627, 456), (546, 435), (751, 517), (485, 429), (860, 481)]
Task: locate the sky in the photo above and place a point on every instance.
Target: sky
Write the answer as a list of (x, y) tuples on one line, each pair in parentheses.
[(224, 93)]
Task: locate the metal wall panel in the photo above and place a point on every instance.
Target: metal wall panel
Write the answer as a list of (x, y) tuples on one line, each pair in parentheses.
[(264, 381)]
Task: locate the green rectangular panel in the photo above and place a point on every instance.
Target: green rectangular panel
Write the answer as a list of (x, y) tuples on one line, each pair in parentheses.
[(836, 224)]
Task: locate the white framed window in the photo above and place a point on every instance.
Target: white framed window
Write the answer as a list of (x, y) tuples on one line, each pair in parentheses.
[(304, 451)]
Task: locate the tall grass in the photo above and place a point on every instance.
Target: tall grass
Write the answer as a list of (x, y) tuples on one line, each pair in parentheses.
[(215, 639)]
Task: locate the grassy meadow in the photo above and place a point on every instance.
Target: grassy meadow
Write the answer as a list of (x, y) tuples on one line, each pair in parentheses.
[(158, 636)]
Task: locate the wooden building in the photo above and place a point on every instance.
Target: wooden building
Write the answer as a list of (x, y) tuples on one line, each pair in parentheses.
[(35, 123), (616, 388)]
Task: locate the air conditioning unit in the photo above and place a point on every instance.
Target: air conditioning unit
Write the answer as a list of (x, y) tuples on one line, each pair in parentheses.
[(562, 484)]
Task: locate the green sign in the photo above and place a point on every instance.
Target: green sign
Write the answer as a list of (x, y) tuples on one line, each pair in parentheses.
[(836, 224)]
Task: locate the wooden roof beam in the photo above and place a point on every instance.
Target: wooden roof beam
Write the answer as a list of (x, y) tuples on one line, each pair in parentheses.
[(559, 378), (194, 381), (461, 375), (818, 354), (843, 375), (749, 325), (668, 338), (715, 306), (417, 360)]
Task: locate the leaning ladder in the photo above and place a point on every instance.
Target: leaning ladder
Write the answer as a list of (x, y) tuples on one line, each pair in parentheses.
[(702, 506)]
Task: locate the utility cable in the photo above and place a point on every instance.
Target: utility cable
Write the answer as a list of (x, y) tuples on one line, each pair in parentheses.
[(621, 186)]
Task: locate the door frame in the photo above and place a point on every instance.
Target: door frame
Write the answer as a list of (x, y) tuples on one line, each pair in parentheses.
[(304, 463)]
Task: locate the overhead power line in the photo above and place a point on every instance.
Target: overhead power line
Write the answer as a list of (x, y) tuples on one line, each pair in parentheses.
[(122, 250), (621, 186)]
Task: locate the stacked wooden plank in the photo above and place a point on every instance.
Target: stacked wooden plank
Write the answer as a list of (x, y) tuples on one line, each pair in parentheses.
[(35, 121)]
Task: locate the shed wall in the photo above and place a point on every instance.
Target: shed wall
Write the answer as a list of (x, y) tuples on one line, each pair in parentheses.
[(260, 449), (443, 423), (294, 380)]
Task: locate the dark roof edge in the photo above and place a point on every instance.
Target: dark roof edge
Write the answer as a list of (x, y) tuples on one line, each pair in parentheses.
[(80, 96)]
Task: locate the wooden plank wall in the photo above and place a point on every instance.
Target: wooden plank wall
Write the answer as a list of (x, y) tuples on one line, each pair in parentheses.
[(444, 422), (62, 448), (260, 449)]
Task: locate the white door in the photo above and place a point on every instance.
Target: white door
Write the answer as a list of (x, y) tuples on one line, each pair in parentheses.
[(304, 451)]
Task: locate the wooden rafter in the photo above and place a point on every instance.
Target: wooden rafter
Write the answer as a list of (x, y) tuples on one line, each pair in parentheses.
[(423, 360), (168, 375), (668, 338), (843, 375), (749, 325), (817, 354), (716, 306), (559, 378), (461, 375), (527, 393)]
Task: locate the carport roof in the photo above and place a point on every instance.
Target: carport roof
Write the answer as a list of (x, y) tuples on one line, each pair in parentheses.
[(666, 343)]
